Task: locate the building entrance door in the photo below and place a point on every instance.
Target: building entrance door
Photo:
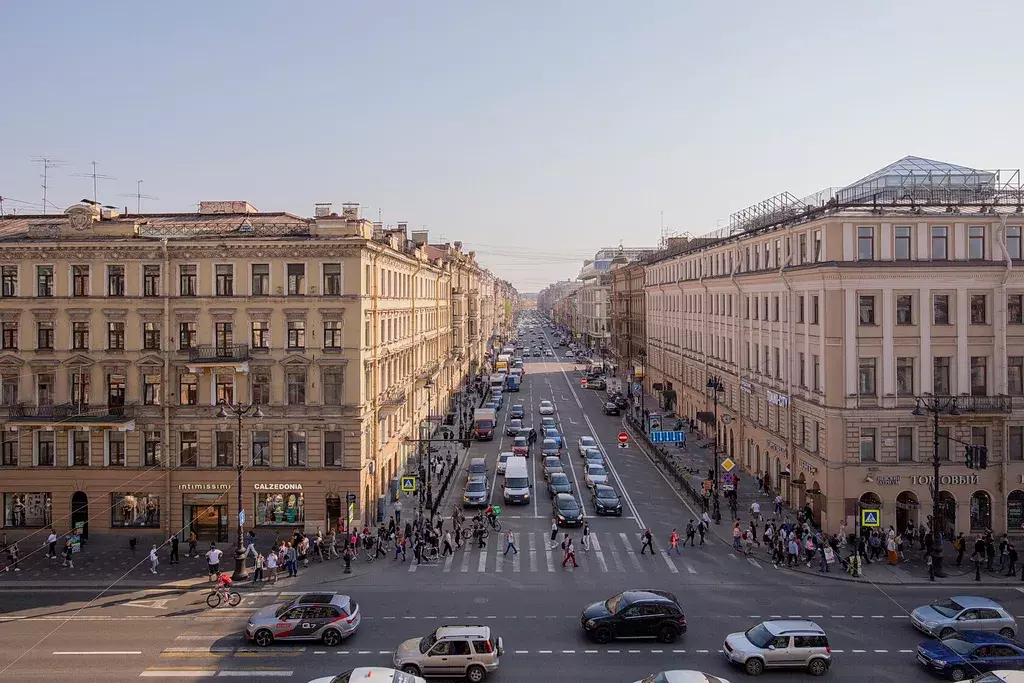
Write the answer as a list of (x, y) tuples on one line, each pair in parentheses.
[(209, 522)]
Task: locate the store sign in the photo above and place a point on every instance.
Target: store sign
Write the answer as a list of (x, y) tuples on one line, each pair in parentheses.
[(807, 467), (776, 449), (203, 487), (890, 480), (777, 399), (947, 479), (277, 487)]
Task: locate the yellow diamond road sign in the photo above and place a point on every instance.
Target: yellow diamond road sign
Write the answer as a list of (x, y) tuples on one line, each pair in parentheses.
[(728, 464)]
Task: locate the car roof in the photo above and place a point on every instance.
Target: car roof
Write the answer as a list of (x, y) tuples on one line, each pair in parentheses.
[(506, 454), (588, 438), (974, 601), (463, 631), (477, 461), (780, 627), (559, 475), (985, 638), (477, 479), (545, 401), (594, 465), (648, 595), (378, 674), (551, 441), (321, 598), (602, 488), (566, 498)]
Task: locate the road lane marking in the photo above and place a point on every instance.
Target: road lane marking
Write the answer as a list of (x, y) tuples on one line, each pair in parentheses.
[(99, 652), (668, 560), (247, 673), (629, 551), (481, 565), (179, 673), (548, 558), (598, 553), (499, 560), (532, 538), (448, 559), (754, 562), (465, 557), (616, 557), (515, 558), (689, 568)]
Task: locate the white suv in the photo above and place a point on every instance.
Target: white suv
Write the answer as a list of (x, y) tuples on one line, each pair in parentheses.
[(451, 651)]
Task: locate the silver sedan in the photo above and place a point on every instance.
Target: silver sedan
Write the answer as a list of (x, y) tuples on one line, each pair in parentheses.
[(943, 618)]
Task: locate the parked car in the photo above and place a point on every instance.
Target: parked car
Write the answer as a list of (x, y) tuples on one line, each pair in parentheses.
[(605, 501), (594, 457), (942, 618), (325, 616), (469, 652), (780, 644), (596, 383), (643, 613)]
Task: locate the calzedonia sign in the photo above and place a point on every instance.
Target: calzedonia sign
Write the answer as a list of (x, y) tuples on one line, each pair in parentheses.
[(277, 487)]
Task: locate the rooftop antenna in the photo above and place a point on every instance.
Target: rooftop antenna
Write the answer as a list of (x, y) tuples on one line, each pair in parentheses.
[(138, 196), (47, 163), (95, 176)]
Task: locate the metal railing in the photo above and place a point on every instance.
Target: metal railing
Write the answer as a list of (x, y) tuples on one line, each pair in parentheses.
[(71, 412), (219, 353)]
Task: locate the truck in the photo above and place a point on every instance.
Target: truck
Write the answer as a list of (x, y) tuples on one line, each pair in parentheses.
[(504, 363), (514, 381), (497, 381), (484, 421)]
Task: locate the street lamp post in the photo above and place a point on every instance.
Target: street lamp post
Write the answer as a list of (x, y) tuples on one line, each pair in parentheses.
[(936, 405), (714, 384), (239, 410)]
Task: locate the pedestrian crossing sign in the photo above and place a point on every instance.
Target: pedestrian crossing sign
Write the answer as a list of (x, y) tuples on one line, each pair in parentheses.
[(870, 518), (409, 484), (728, 464)]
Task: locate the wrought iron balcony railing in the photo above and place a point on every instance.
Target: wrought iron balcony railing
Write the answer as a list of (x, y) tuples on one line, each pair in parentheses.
[(219, 353), (71, 412), (395, 396)]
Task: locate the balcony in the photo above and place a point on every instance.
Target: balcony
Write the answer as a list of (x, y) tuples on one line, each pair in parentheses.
[(235, 356), (392, 400), (981, 404), (113, 416)]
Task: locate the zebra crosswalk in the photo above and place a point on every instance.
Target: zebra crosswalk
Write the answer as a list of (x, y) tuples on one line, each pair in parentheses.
[(608, 553)]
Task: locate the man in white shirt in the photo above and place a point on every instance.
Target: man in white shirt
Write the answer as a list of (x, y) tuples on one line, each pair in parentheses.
[(51, 541), (755, 510), (213, 560)]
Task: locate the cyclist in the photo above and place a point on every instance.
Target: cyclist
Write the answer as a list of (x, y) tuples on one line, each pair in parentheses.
[(224, 585), (491, 515)]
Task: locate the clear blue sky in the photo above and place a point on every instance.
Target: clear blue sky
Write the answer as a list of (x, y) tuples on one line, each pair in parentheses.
[(535, 131)]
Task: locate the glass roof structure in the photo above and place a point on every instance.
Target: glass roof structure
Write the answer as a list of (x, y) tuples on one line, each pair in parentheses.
[(911, 175)]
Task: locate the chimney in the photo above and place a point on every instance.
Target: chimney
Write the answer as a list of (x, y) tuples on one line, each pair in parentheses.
[(420, 237), (350, 210), (321, 209)]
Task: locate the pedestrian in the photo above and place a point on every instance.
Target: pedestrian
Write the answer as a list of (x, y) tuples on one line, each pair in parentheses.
[(1004, 552), (292, 563), (648, 541), (778, 505), (510, 543), (213, 561), (69, 554), (51, 541), (891, 550), (261, 562), (398, 511), (673, 542), (691, 533), (1012, 560), (554, 534), (272, 566), (193, 542), (569, 552), (736, 535), (585, 536), (153, 559), (174, 559), (959, 545), (132, 543), (702, 529), (447, 544)]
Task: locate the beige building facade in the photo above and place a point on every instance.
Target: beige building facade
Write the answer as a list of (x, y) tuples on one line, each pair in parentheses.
[(827, 322), (121, 334)]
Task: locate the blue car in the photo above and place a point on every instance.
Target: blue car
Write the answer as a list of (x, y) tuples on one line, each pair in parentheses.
[(517, 412), (969, 653), (553, 434)]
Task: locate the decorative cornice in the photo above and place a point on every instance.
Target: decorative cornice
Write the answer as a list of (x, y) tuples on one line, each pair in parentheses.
[(260, 314), (79, 314), (187, 314), (332, 313), (150, 314), (296, 313), (44, 313), (116, 313), (222, 315), (9, 315)]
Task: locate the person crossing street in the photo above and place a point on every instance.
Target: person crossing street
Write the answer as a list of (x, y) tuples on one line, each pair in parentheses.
[(510, 543)]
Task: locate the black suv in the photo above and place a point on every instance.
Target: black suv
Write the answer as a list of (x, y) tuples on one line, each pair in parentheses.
[(610, 408), (642, 613)]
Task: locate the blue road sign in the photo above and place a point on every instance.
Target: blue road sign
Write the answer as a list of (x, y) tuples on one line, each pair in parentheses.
[(870, 518), (668, 437)]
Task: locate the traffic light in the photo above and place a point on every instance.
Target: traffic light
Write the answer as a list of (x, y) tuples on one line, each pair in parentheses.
[(982, 460), (976, 457), (969, 457)]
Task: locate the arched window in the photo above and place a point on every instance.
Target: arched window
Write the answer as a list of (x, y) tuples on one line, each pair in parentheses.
[(981, 511)]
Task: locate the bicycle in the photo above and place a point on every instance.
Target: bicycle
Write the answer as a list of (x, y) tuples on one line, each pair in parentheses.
[(468, 533), (494, 523), (219, 595)]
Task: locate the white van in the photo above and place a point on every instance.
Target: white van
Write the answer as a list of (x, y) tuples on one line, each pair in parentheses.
[(517, 481)]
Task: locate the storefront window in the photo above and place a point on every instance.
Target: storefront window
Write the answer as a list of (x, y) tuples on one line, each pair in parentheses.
[(282, 507), (28, 510), (981, 511), (137, 510), (1015, 511)]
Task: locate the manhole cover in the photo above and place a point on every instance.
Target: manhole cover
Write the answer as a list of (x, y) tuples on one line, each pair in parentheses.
[(481, 601)]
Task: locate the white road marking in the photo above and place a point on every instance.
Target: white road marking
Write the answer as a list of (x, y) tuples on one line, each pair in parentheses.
[(629, 551), (499, 559), (99, 652), (515, 558), (448, 560), (754, 562), (481, 565), (532, 538), (669, 562), (465, 557), (548, 558), (689, 568), (598, 553), (178, 673), (266, 673)]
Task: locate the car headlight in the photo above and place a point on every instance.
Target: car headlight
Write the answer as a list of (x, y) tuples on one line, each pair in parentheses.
[(931, 624), (560, 517), (590, 623), (465, 499), (526, 496)]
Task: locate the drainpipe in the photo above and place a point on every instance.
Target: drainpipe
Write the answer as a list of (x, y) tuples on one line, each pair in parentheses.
[(165, 449), (703, 352), (1001, 333), (789, 337), (736, 340), (374, 375)]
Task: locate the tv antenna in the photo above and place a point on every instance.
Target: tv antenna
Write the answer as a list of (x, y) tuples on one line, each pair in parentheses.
[(47, 163), (95, 176), (139, 196)]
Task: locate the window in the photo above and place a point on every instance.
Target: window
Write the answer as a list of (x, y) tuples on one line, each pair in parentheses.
[(867, 310), (225, 277), (9, 451), (1014, 309), (115, 336), (151, 389), (904, 309), (115, 280), (814, 309), (775, 308), (115, 390), (44, 280), (905, 444), (285, 508), (188, 390), (261, 449), (150, 280), (816, 374), (332, 279), (334, 450), (296, 334), (150, 336), (225, 386), (260, 334), (1015, 375), (186, 335), (868, 452), (901, 246), (905, 376), (44, 335), (46, 449), (979, 308), (866, 377), (224, 338), (979, 436), (940, 309), (940, 251), (45, 382), (9, 336), (188, 454), (802, 370), (1015, 443), (115, 448), (296, 384), (333, 381), (976, 242), (817, 246), (1013, 241), (152, 447), (224, 449), (79, 280), (296, 279), (296, 449), (940, 375), (333, 335), (28, 510), (80, 448), (8, 390), (800, 308), (259, 383), (979, 376), (187, 280), (135, 510), (865, 244), (260, 279), (9, 281), (803, 248), (80, 381)]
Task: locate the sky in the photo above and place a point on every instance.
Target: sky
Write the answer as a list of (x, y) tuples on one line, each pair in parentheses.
[(536, 132)]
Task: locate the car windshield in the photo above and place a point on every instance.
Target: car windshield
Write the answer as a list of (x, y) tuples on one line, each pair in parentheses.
[(485, 423), (519, 441), (517, 483), (343, 678), (545, 404), (503, 457), (607, 494), (550, 443), (759, 636), (596, 471), (476, 487), (568, 504), (947, 608), (559, 478), (616, 603), (586, 441), (427, 642), (282, 609), (515, 424), (961, 647)]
